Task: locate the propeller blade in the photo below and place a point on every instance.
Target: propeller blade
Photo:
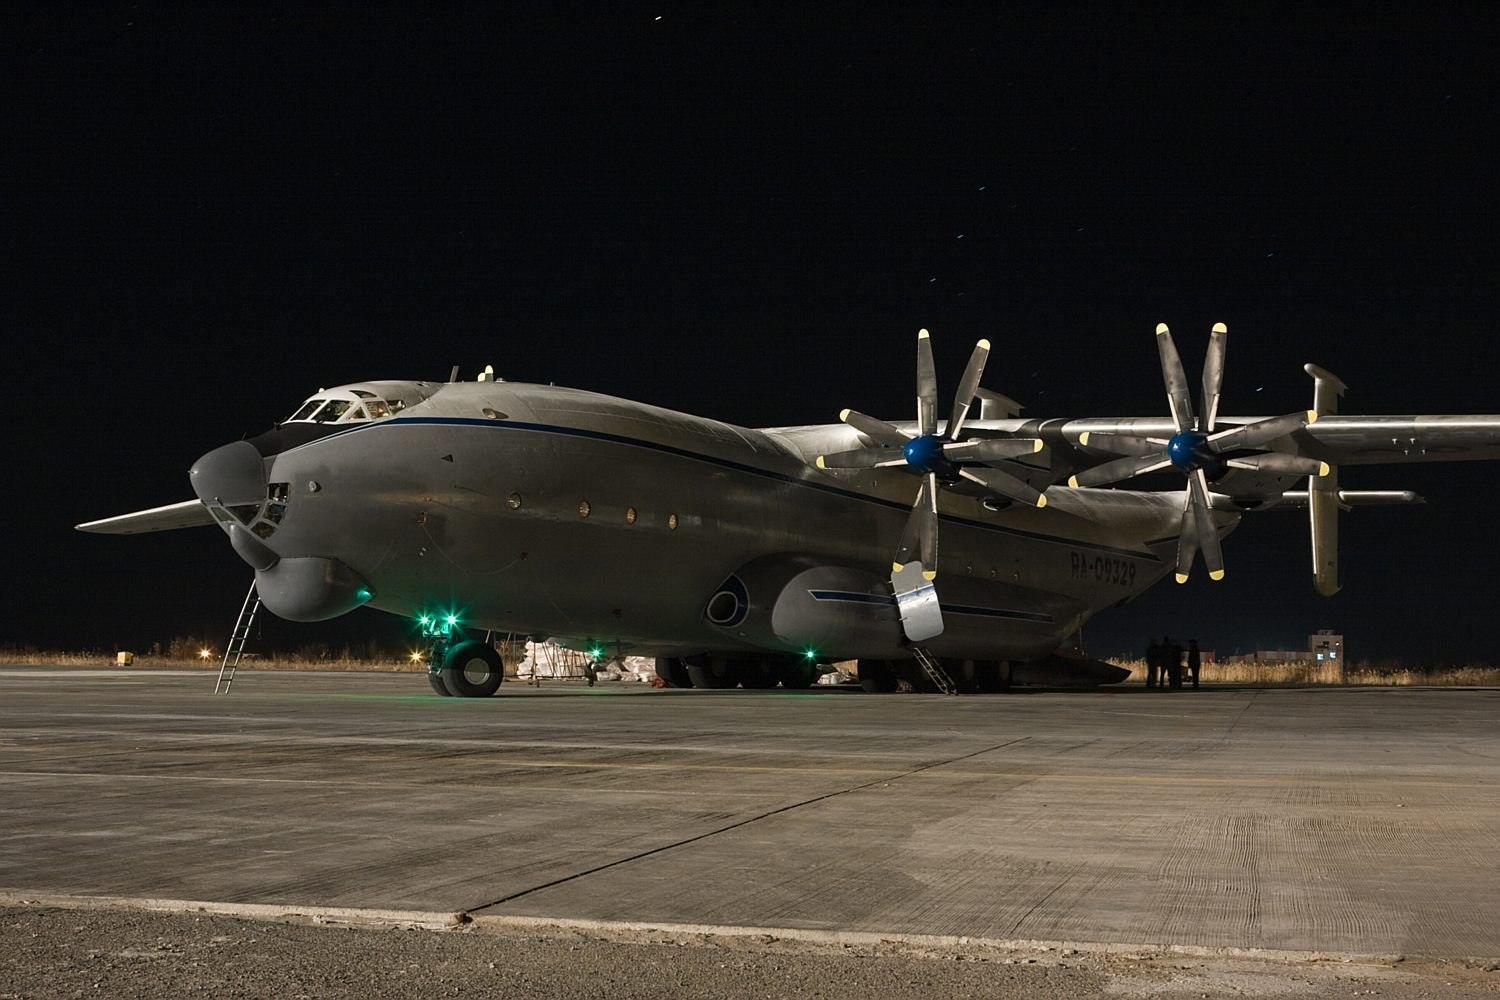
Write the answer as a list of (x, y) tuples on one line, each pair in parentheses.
[(910, 532), (991, 449), (877, 430), (1176, 381), (968, 385), (1123, 444), (1006, 485), (861, 458), (1261, 432), (926, 385), (929, 530), (1203, 523), (1120, 468), (1277, 463), (1187, 539), (1213, 374)]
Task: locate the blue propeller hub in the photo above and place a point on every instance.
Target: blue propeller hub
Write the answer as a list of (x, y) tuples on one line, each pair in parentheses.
[(1189, 451), (925, 455)]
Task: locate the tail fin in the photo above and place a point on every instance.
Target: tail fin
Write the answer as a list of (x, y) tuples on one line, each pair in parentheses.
[(1323, 491)]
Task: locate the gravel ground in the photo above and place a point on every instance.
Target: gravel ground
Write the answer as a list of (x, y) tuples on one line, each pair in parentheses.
[(51, 952)]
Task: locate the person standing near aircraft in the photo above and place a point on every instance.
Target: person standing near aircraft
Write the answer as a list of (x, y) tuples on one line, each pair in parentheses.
[(1195, 661), (1172, 655), (1153, 662)]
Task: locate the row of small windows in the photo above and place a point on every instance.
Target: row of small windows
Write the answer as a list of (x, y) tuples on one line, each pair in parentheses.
[(585, 509)]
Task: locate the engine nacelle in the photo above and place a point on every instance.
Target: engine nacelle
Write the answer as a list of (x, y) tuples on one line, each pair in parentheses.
[(796, 604)]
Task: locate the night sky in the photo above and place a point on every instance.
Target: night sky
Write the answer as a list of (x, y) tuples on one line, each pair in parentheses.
[(210, 216)]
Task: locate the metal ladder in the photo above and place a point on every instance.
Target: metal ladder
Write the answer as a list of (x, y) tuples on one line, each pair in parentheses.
[(237, 640), (935, 671)]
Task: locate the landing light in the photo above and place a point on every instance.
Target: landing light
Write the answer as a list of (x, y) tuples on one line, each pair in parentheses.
[(205, 653), (416, 656)]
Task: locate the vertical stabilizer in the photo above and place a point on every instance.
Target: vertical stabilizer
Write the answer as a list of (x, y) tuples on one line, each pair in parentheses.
[(1323, 491)]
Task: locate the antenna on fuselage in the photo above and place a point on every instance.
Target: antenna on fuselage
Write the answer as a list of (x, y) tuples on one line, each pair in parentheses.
[(453, 375)]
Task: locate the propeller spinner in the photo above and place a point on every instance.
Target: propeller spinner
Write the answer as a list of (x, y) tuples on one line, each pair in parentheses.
[(941, 460), (1196, 447)]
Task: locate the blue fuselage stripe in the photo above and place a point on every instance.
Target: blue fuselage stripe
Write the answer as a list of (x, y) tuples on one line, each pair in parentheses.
[(849, 597)]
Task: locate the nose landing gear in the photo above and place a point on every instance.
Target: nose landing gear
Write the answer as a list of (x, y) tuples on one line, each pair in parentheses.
[(459, 667)]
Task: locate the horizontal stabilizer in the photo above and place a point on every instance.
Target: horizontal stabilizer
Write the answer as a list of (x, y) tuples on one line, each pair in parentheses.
[(1297, 499), (187, 514)]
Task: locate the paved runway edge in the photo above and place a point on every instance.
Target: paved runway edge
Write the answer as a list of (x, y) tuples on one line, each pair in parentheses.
[(629, 931)]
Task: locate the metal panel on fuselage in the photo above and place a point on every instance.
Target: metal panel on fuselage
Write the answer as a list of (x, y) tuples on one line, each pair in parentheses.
[(421, 507)]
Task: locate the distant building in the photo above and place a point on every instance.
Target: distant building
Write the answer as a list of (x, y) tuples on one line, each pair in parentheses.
[(1326, 644)]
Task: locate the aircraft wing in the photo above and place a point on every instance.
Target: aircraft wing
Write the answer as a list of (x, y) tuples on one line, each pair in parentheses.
[(187, 514), (1348, 440)]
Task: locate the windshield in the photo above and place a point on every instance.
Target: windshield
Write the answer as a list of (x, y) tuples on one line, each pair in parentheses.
[(306, 409), (332, 411)]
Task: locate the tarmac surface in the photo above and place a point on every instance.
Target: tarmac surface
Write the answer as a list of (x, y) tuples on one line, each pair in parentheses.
[(1292, 827)]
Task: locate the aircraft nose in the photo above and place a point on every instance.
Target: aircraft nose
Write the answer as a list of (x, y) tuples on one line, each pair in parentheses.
[(233, 476)]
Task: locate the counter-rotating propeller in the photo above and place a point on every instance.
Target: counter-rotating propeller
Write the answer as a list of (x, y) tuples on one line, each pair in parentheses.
[(1196, 448), (940, 460)]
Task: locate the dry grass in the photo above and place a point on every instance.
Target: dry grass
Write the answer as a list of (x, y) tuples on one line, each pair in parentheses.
[(1324, 673), (274, 661)]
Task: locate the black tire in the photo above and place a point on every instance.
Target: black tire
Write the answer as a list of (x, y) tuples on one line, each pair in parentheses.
[(436, 680), (713, 676), (799, 675), (473, 669), (757, 675), (673, 671), (877, 676)]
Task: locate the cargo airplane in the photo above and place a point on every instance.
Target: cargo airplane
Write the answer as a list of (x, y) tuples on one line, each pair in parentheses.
[(751, 556)]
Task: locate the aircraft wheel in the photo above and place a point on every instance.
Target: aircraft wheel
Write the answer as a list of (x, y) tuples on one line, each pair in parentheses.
[(673, 671), (473, 669), (757, 675), (877, 676), (713, 675), (436, 680), (798, 675)]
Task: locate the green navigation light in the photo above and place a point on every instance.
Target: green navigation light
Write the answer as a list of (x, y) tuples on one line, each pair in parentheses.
[(451, 620), (809, 654)]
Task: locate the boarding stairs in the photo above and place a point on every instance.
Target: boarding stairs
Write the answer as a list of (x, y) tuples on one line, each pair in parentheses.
[(934, 670), (237, 640)]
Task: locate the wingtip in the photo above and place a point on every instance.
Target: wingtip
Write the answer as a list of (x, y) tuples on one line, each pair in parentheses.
[(1161, 328), (983, 344), (923, 334), (1217, 574), (1220, 328)]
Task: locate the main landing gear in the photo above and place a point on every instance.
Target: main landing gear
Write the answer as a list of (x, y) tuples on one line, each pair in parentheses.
[(459, 667)]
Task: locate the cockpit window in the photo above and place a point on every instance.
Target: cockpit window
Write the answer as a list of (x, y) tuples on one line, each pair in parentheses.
[(307, 409), (363, 393), (358, 413), (396, 405), (377, 409), (332, 411)]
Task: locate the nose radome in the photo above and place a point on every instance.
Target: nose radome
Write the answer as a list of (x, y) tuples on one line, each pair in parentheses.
[(231, 475)]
